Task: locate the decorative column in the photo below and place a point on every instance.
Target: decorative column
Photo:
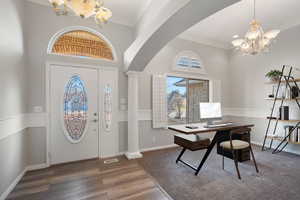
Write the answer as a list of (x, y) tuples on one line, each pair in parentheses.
[(133, 128)]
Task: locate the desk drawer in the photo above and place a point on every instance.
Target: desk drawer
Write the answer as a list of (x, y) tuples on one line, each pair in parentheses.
[(192, 142)]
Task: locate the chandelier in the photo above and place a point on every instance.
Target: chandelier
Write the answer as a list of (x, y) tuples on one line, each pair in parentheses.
[(255, 40), (82, 8)]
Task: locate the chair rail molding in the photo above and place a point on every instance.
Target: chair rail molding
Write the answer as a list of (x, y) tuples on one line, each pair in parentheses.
[(245, 112), (17, 123)]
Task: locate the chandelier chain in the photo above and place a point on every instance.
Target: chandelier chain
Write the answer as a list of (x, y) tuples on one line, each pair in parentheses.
[(254, 9)]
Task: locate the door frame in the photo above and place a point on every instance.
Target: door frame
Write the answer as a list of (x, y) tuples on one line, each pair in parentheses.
[(49, 64)]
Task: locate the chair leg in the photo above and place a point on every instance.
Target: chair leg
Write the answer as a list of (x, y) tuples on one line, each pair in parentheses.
[(180, 155), (253, 159), (223, 158), (236, 163)]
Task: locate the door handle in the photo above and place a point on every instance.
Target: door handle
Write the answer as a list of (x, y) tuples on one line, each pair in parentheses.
[(95, 120)]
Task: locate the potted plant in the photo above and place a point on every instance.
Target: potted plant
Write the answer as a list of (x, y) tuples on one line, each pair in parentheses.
[(274, 75)]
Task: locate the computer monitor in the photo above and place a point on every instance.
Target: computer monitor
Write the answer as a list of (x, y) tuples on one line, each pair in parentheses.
[(210, 112)]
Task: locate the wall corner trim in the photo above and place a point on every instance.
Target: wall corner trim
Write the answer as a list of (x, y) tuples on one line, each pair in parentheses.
[(15, 124)]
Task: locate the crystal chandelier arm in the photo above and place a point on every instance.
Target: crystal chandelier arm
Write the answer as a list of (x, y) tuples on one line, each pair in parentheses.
[(237, 42), (272, 34)]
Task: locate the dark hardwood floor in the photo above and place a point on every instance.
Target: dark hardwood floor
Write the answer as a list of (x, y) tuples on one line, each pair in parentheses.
[(92, 179)]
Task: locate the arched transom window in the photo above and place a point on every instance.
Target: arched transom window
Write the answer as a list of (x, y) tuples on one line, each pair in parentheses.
[(82, 44)]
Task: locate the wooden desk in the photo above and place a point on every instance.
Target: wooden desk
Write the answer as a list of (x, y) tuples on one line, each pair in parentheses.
[(221, 132)]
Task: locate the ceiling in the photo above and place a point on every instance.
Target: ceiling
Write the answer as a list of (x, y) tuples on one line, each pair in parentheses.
[(218, 29), (126, 12)]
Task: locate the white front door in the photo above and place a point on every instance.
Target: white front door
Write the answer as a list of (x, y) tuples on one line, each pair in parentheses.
[(73, 114)]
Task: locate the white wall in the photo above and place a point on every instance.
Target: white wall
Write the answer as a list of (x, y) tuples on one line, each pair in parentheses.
[(247, 75), (12, 67), (14, 148)]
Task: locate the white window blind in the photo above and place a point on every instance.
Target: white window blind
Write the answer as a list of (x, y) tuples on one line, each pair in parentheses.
[(159, 101)]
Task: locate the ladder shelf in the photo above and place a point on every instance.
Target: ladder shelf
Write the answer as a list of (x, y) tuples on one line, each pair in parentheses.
[(287, 81)]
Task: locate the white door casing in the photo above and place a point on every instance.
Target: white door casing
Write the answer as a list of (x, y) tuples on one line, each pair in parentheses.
[(63, 148)]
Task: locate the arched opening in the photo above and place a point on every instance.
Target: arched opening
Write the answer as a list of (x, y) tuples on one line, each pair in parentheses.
[(81, 42)]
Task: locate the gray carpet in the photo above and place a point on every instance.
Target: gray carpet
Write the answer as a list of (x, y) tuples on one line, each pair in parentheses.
[(279, 177)]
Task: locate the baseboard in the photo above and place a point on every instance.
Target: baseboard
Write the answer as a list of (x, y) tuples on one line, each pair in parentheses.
[(159, 148), (112, 156), (133, 155), (36, 167), (11, 187)]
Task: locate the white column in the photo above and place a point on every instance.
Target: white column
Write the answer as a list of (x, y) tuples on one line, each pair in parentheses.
[(133, 129)]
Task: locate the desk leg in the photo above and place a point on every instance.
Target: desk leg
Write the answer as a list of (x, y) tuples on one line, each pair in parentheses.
[(180, 155), (216, 138)]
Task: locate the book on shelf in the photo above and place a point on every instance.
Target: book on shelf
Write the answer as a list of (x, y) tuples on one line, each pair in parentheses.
[(295, 135), (284, 113)]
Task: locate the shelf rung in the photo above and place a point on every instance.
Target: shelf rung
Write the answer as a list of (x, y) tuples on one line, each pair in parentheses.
[(280, 138), (283, 81)]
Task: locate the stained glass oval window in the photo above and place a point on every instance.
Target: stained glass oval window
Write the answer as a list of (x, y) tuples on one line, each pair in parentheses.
[(75, 109)]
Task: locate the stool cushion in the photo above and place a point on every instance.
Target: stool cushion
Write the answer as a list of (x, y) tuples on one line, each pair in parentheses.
[(236, 144)]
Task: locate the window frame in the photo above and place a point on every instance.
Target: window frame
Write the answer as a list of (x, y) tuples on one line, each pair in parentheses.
[(191, 55), (188, 78)]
